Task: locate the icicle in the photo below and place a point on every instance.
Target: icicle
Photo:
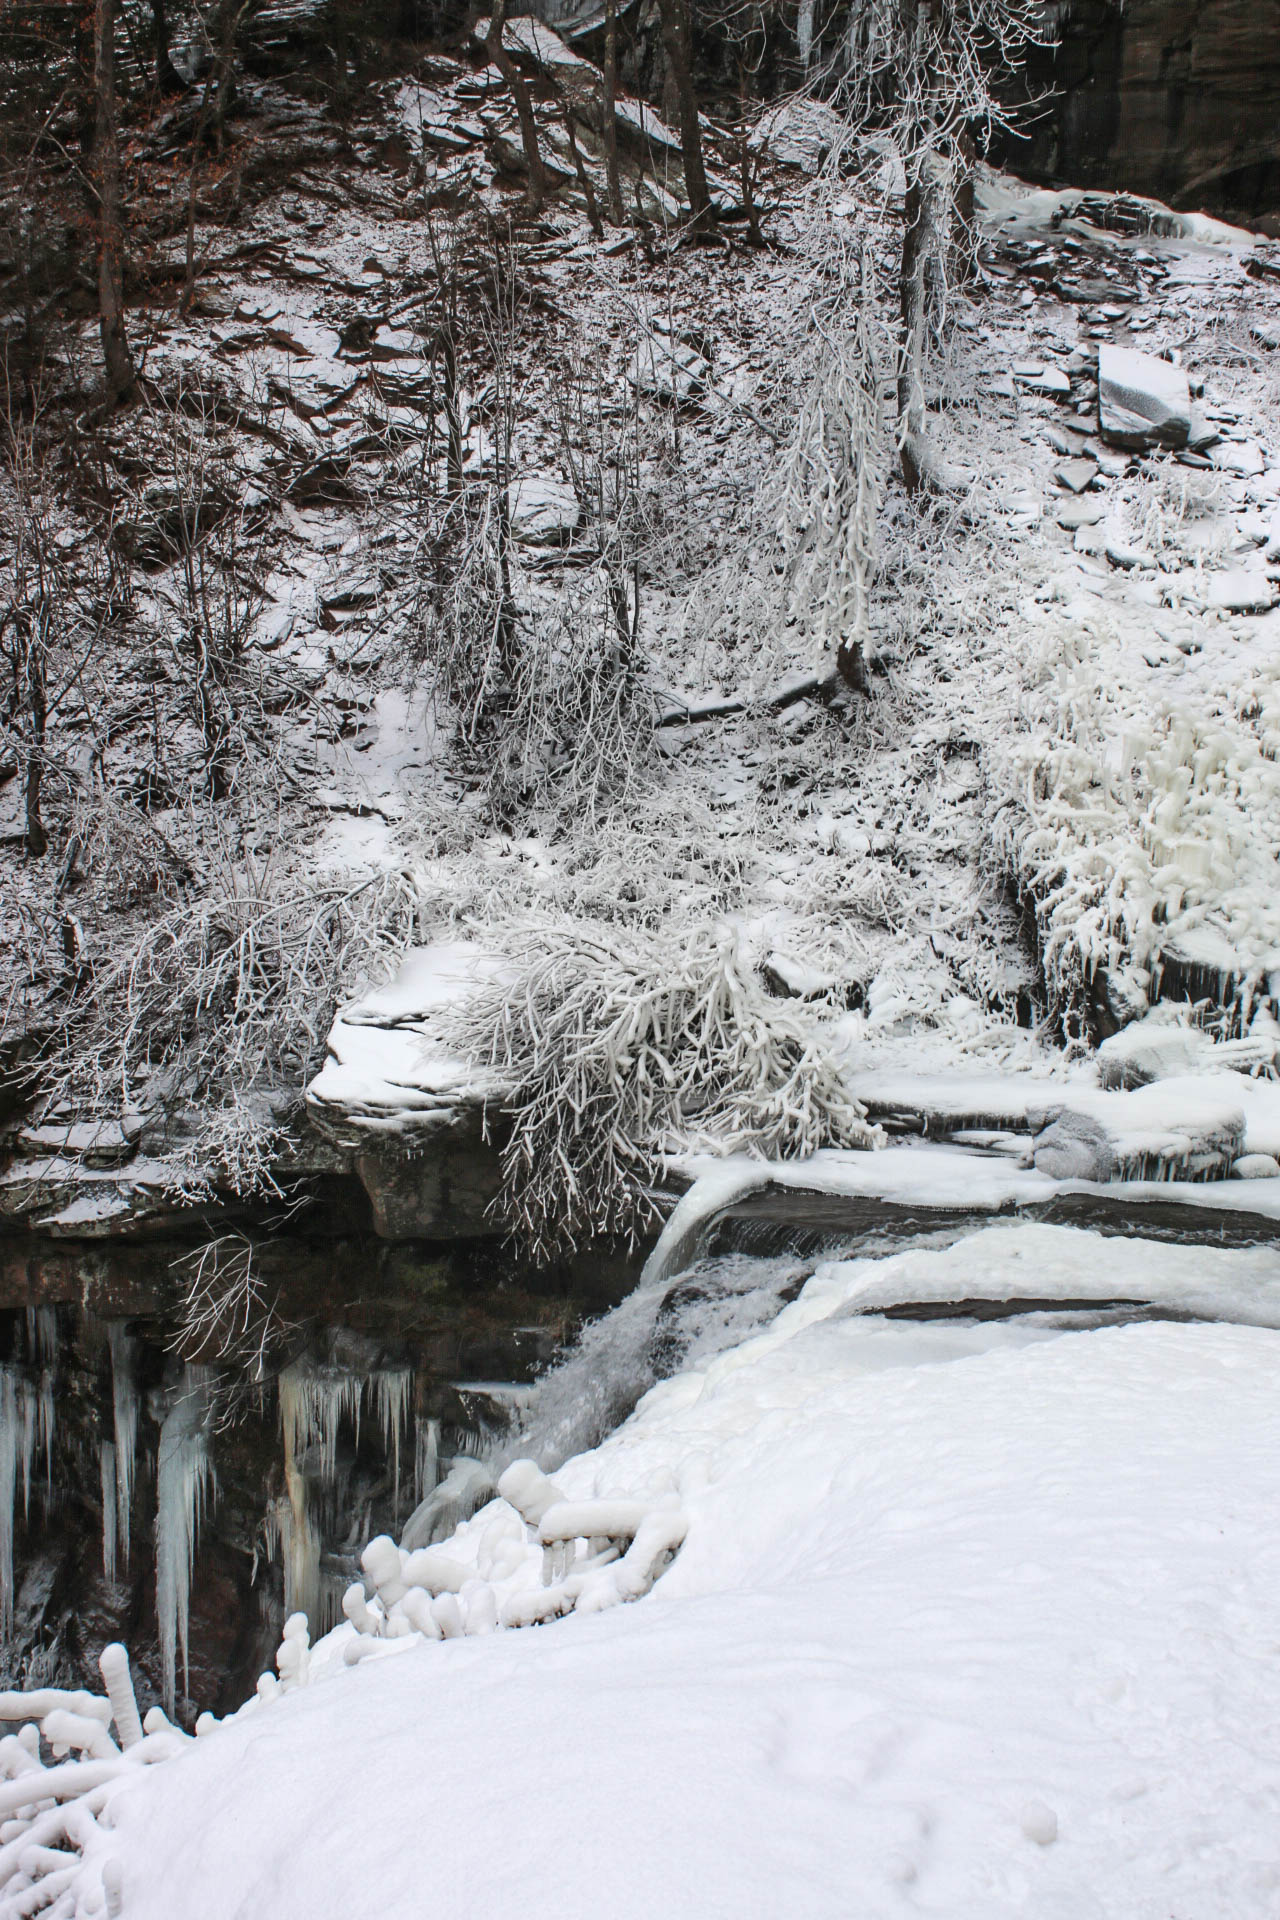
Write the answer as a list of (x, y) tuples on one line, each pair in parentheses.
[(46, 1422), (27, 1414), (124, 1394), (107, 1465), (8, 1489), (42, 1335), (184, 1478), (426, 1463), (313, 1401), (391, 1390)]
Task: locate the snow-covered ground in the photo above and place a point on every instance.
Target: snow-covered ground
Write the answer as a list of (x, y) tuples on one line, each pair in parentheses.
[(973, 1618)]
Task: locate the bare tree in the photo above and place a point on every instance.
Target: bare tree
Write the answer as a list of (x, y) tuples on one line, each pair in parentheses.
[(616, 211), (516, 81), (922, 74), (677, 41), (109, 206)]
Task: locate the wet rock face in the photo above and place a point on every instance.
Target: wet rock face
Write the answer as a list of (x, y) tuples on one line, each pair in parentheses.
[(1177, 98)]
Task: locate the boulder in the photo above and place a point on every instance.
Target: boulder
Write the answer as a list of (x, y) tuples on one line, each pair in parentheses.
[(1073, 1146), (1142, 402), (1256, 1166)]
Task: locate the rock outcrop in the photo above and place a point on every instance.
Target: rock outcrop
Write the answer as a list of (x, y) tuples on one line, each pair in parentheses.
[(1180, 98)]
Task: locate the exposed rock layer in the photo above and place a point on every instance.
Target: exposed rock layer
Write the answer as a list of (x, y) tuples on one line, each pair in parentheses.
[(1178, 98)]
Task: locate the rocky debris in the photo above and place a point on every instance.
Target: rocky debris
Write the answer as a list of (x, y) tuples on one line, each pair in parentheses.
[(798, 133), (544, 511), (1142, 402), (1076, 475), (668, 369), (1074, 514)]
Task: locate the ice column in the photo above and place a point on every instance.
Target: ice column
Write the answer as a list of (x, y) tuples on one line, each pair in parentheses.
[(184, 1480), (8, 1491), (107, 1467), (124, 1394)]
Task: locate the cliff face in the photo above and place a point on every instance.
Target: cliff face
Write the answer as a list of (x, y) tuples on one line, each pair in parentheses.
[(1176, 98)]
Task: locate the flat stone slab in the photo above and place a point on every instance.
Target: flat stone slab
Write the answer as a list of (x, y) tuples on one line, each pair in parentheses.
[(1142, 401), (1076, 474), (1246, 591), (1074, 514)]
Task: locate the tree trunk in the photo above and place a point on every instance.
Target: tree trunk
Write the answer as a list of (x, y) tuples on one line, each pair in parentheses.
[(168, 79), (35, 839), (524, 105), (584, 178), (677, 42), (616, 213), (921, 292), (116, 358)]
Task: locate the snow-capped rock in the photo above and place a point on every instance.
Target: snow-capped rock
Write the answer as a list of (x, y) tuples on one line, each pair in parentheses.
[(1142, 401)]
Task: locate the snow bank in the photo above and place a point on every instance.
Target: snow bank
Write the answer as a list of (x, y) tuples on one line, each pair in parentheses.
[(970, 1619)]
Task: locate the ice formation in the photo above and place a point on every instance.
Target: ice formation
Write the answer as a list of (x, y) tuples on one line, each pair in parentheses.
[(107, 1476), (56, 1855), (27, 1421), (124, 1405), (315, 1399), (184, 1481)]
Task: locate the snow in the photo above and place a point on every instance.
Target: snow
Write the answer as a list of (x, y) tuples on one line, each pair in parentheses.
[(386, 1067), (971, 1618), (1143, 401)]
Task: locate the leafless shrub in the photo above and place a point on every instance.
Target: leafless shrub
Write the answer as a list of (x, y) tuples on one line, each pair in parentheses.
[(228, 1310), (618, 1045), (221, 1004)]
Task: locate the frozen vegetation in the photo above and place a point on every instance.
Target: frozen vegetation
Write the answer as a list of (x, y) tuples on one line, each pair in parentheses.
[(775, 692)]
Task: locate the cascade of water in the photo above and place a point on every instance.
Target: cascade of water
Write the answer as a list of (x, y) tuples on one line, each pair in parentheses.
[(107, 1469), (124, 1396), (184, 1481), (656, 1330)]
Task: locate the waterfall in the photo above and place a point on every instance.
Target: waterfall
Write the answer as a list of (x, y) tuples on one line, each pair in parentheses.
[(184, 1480), (315, 1399)]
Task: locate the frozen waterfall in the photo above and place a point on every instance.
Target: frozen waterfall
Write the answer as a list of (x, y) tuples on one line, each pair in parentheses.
[(184, 1481)]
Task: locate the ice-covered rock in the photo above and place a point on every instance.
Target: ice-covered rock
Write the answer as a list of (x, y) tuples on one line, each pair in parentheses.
[(1142, 401), (1076, 474), (1183, 1128), (1244, 590), (1073, 1146), (1256, 1166)]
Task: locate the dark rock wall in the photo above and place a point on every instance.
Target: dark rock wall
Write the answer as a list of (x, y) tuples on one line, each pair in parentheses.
[(1176, 98)]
